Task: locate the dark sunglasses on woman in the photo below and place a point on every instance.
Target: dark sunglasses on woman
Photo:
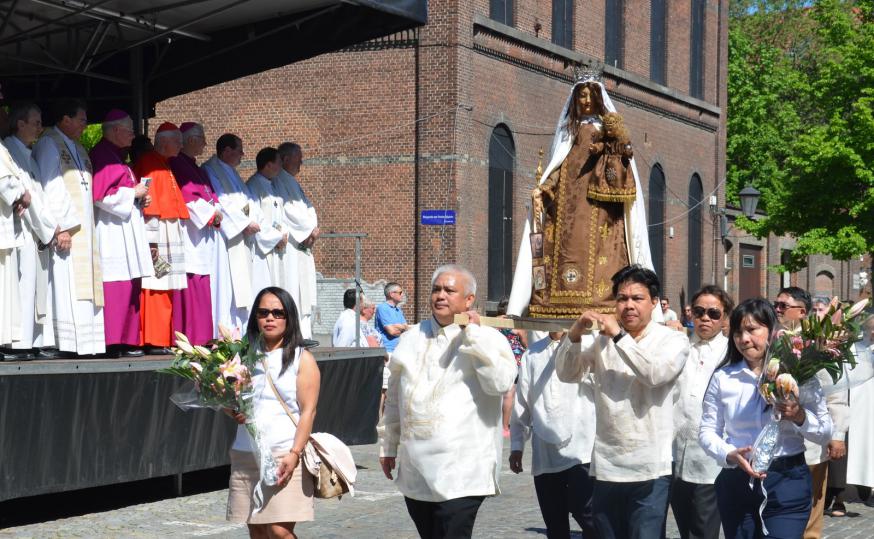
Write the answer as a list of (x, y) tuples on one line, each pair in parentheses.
[(713, 314), (278, 314)]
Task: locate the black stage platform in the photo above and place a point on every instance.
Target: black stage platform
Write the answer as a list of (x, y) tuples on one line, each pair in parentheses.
[(79, 423)]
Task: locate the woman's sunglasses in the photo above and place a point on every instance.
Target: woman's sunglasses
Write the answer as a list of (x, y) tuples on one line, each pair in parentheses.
[(278, 314)]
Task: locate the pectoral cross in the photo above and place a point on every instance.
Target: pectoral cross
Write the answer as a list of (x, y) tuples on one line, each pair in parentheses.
[(84, 182)]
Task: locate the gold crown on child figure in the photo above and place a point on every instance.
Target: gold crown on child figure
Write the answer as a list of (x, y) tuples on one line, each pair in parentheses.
[(584, 73)]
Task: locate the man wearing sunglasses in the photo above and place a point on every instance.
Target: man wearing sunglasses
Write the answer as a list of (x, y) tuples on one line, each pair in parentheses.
[(693, 497), (792, 304)]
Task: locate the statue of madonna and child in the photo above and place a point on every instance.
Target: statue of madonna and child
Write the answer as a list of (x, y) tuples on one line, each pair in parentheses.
[(587, 218)]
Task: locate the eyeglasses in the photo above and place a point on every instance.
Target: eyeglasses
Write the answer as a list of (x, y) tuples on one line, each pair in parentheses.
[(713, 314), (783, 306), (278, 314)]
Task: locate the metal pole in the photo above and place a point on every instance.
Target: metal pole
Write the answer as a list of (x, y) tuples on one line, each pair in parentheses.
[(357, 291)]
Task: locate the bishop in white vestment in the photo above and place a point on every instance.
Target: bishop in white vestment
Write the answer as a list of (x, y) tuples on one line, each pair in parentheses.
[(76, 277)]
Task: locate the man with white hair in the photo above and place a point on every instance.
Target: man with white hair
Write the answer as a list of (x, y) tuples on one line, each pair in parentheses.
[(442, 422), (25, 125), (190, 313), (303, 228), (121, 234), (164, 228), (76, 276)]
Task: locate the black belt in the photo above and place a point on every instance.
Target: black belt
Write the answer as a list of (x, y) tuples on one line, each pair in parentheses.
[(780, 464)]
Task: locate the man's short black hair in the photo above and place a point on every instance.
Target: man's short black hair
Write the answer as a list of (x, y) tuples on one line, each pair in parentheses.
[(636, 274), (718, 293), (68, 107), (228, 140), (798, 294), (265, 157), (349, 298)]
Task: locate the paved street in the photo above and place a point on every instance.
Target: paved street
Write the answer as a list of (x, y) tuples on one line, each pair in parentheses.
[(377, 510)]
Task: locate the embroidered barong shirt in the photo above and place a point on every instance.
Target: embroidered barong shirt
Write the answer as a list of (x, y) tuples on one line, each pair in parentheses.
[(633, 381), (559, 418), (691, 463), (443, 410)]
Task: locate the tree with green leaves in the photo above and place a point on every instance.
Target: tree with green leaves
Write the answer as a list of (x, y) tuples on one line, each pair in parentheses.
[(801, 122)]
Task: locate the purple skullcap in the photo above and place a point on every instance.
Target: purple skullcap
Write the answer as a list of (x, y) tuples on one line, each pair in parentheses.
[(186, 126), (115, 114)]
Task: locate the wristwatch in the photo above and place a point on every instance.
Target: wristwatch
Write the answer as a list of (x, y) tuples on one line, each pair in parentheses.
[(618, 336)]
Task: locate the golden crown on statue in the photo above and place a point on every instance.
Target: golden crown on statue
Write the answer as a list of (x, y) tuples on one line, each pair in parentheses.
[(584, 73)]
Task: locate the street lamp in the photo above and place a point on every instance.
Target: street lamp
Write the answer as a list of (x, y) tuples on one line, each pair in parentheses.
[(749, 199)]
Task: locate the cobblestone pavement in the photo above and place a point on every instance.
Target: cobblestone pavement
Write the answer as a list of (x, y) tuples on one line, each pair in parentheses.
[(377, 510)]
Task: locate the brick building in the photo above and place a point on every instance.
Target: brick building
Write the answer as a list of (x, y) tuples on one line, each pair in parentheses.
[(453, 116)]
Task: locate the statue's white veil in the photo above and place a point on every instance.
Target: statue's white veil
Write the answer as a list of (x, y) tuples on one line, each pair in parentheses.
[(636, 234)]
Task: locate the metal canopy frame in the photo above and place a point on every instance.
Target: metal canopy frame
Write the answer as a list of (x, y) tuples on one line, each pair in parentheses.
[(129, 53)]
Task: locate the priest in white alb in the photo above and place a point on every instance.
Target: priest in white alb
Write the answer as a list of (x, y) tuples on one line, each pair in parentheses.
[(241, 216), (303, 228), (34, 255), (121, 234), (76, 276), (442, 422), (14, 200), (268, 264)]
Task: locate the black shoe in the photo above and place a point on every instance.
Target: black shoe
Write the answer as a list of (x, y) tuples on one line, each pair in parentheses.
[(10, 354), (132, 352), (309, 343), (157, 351), (52, 353)]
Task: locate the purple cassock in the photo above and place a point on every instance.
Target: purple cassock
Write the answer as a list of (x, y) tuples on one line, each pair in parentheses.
[(192, 306), (121, 290)]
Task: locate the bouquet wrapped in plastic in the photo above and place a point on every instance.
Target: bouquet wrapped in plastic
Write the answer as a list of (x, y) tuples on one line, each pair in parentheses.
[(795, 357), (221, 373)]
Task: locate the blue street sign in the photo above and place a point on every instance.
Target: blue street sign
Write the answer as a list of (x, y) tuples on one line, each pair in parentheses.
[(438, 217)]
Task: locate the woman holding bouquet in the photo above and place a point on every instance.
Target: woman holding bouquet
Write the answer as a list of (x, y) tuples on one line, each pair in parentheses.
[(273, 328), (734, 413)]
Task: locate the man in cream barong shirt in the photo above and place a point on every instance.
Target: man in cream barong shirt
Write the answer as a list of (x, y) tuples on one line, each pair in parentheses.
[(693, 496), (442, 420), (634, 363)]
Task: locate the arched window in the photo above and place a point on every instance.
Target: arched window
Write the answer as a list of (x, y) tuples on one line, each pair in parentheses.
[(658, 41), (824, 284), (696, 50), (563, 23), (695, 235), (502, 155), (501, 11), (656, 217), (614, 32)]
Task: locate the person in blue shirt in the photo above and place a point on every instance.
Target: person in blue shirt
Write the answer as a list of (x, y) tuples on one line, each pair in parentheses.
[(390, 320)]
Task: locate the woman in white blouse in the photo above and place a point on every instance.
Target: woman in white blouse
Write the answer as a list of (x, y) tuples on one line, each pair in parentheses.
[(734, 414), (273, 324)]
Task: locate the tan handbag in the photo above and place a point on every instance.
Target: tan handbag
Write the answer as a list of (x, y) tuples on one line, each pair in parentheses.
[(329, 482)]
